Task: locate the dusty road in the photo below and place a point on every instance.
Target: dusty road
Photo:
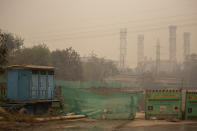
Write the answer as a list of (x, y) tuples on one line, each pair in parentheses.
[(85, 124), (140, 124)]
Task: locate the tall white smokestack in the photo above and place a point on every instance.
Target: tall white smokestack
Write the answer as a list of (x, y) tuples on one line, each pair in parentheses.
[(186, 37), (172, 43)]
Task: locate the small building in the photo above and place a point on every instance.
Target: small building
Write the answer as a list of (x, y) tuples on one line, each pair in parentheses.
[(30, 82)]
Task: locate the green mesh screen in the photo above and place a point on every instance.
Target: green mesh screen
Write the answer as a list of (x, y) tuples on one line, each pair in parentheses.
[(88, 84), (99, 100)]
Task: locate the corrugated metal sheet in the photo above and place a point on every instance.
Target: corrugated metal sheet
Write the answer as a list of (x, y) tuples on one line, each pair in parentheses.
[(18, 84), (191, 105), (50, 85), (24, 84), (29, 83), (43, 86), (163, 104), (30, 67), (12, 84), (34, 87)]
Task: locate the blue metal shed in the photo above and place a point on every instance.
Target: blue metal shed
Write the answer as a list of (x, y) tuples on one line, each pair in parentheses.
[(27, 82)]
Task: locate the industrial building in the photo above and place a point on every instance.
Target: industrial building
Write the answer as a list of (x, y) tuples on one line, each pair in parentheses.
[(169, 66)]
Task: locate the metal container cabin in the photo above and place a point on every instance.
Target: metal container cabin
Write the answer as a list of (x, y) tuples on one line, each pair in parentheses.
[(163, 104), (28, 82), (191, 105)]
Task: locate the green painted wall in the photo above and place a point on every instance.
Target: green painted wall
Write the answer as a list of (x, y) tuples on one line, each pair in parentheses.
[(163, 104), (191, 105)]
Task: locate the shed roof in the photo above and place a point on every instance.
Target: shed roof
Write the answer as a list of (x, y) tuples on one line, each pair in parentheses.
[(30, 67)]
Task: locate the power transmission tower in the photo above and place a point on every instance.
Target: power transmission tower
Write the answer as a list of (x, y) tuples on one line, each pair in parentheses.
[(123, 47)]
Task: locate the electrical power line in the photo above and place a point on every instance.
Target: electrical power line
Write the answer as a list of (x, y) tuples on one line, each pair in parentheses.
[(117, 33), (128, 22), (148, 12), (107, 33)]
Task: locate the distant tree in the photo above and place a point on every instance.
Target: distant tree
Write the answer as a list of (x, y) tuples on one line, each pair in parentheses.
[(12, 42), (98, 68), (67, 63), (3, 56), (9, 44), (36, 55)]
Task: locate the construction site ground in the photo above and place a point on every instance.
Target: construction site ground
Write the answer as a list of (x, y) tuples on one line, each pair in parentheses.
[(86, 124)]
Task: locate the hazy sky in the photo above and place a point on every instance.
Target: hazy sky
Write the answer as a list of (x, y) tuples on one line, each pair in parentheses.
[(94, 25)]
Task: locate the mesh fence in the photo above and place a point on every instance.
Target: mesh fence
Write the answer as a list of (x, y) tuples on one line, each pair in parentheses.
[(99, 100), (95, 84)]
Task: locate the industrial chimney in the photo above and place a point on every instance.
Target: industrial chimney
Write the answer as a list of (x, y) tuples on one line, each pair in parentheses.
[(172, 44), (186, 37)]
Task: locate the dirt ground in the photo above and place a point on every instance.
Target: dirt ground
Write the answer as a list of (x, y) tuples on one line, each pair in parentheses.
[(63, 125), (86, 124)]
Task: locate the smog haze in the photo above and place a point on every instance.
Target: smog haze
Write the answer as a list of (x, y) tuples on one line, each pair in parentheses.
[(94, 25)]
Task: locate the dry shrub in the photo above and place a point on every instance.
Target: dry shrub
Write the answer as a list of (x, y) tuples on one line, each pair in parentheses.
[(21, 117)]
